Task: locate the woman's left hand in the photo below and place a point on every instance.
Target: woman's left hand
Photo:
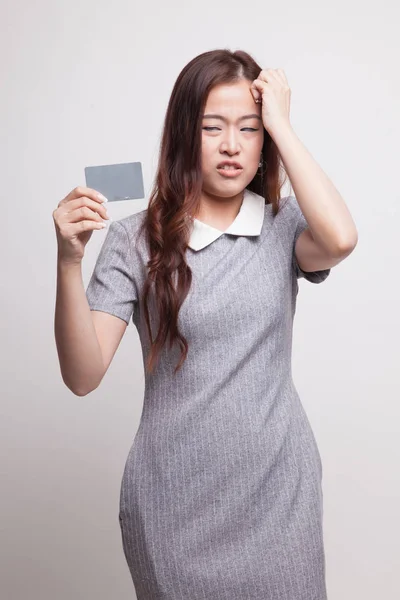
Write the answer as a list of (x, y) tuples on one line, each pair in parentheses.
[(271, 88)]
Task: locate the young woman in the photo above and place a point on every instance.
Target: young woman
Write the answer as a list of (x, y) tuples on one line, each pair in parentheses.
[(221, 497)]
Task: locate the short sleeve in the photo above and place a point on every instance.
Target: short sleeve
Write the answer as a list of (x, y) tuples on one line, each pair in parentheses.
[(111, 288), (300, 224)]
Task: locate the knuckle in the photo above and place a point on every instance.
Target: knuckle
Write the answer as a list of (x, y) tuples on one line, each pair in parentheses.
[(57, 214)]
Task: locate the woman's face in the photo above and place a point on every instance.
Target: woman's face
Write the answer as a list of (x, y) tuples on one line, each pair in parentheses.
[(231, 137)]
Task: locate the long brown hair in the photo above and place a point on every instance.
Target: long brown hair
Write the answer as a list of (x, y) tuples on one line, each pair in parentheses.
[(178, 185)]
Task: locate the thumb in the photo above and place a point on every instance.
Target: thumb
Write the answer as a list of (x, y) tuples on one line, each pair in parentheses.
[(256, 90)]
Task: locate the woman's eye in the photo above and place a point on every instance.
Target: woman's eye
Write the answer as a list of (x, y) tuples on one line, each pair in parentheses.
[(249, 128)]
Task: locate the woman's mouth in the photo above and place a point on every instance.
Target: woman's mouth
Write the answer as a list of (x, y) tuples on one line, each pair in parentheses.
[(229, 171)]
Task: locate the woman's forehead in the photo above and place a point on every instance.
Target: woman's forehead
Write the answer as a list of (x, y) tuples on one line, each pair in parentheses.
[(232, 101)]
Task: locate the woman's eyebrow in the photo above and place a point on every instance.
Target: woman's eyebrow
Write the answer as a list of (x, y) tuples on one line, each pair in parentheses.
[(213, 116)]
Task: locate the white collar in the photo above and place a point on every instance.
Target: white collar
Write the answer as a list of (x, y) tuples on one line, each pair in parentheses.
[(248, 221)]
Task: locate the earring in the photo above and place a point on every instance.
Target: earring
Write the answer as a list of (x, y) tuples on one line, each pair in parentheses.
[(260, 166)]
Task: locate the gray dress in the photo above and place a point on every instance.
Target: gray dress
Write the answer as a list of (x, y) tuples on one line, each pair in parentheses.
[(221, 496)]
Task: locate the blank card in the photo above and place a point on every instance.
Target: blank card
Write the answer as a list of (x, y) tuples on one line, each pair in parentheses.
[(123, 181)]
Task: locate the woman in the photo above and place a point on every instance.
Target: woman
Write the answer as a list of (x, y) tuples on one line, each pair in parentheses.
[(221, 496)]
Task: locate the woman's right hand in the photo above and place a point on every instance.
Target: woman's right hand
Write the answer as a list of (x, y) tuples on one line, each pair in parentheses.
[(75, 218)]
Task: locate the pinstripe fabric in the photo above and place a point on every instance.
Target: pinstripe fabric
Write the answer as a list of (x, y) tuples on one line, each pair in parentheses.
[(221, 497)]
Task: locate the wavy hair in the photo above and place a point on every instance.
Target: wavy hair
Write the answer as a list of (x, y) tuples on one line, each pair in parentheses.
[(178, 186)]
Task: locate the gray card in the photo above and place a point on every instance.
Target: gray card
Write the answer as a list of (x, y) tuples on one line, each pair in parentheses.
[(123, 181)]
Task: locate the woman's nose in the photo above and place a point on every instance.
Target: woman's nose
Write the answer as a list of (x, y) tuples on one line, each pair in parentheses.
[(231, 142)]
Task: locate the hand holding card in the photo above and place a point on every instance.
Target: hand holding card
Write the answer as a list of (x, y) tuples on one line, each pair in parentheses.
[(75, 218)]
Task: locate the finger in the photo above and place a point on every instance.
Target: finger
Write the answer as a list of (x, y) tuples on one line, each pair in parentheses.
[(85, 201), (83, 213), (81, 227), (282, 76), (257, 88), (80, 191), (271, 77), (263, 76)]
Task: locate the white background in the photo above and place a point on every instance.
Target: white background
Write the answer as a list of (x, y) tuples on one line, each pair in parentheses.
[(87, 83)]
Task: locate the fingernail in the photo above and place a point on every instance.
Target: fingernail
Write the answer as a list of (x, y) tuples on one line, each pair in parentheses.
[(102, 198)]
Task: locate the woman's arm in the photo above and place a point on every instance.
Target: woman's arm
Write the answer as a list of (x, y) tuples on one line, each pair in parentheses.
[(86, 339), (332, 233)]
